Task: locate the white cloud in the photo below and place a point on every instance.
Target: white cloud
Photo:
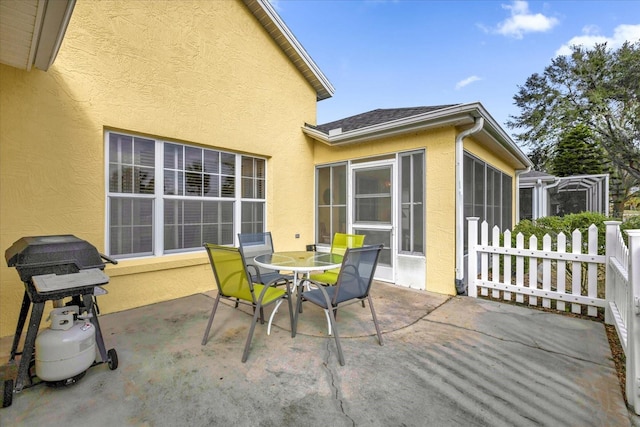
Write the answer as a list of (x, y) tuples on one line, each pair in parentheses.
[(466, 82), (523, 21), (590, 38)]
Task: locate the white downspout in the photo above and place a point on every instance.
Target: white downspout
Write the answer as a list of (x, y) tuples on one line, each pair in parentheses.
[(538, 200), (543, 208), (460, 286)]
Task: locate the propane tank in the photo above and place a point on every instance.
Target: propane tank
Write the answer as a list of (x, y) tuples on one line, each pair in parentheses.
[(67, 349)]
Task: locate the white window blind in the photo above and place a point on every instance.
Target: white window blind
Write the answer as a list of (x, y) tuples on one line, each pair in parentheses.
[(195, 204)]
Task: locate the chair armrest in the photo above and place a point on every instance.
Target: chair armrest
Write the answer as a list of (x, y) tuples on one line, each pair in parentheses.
[(278, 280), (255, 269), (312, 282), (321, 286)]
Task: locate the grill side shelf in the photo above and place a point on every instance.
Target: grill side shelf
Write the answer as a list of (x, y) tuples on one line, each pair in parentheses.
[(84, 278)]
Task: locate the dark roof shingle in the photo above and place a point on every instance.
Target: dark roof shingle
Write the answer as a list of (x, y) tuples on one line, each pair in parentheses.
[(376, 117)]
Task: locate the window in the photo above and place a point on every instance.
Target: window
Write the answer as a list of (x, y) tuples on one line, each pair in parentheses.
[(526, 203), (331, 198), (412, 212), (487, 194), (372, 195), (253, 194), (195, 203)]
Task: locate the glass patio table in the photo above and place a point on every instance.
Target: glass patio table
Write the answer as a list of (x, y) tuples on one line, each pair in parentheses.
[(299, 262)]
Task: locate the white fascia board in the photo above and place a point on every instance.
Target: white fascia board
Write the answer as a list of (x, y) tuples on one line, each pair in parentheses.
[(457, 115), (438, 118), (495, 131), (316, 134), (51, 31), (290, 41)]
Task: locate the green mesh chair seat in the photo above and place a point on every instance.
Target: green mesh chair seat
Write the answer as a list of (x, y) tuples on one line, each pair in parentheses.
[(353, 285), (339, 245), (234, 283), (245, 294)]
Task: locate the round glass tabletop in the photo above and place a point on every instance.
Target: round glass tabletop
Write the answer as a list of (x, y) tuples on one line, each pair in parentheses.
[(299, 261)]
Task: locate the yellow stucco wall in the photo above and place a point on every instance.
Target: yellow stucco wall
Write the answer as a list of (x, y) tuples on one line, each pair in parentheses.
[(440, 193), (202, 72)]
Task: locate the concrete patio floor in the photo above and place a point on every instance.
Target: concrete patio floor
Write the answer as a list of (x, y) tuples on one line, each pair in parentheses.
[(446, 361)]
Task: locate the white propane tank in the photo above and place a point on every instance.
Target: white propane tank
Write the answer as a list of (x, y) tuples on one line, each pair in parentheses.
[(67, 348)]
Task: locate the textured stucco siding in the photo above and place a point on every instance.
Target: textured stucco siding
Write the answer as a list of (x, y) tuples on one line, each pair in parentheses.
[(439, 145), (201, 72)]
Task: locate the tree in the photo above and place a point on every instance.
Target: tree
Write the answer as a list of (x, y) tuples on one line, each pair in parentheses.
[(577, 154), (540, 156), (598, 88), (621, 184)]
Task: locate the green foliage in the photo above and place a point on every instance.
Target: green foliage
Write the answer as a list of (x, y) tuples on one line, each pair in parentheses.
[(632, 223), (598, 88), (577, 154), (554, 225), (540, 157)]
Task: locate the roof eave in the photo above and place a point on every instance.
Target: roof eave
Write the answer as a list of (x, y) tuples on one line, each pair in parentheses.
[(32, 31), (432, 119), (458, 115), (53, 29), (278, 30), (495, 131)]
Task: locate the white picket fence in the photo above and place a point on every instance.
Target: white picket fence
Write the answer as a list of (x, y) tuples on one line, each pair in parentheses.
[(556, 277)]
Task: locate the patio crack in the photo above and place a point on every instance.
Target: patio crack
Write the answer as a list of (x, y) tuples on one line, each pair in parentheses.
[(535, 346), (333, 385)]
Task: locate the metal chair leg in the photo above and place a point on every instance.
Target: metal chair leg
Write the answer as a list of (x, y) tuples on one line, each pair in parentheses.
[(289, 297), (213, 313), (245, 354), (298, 309), (375, 319), (337, 338)]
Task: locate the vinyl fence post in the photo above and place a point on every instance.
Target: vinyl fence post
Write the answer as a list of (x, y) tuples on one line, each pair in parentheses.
[(633, 329), (611, 238), (472, 256)]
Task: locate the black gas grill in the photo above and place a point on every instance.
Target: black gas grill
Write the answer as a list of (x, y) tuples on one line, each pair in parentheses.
[(53, 268), (62, 254)]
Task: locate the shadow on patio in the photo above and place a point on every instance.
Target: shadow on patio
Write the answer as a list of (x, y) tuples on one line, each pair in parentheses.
[(445, 361)]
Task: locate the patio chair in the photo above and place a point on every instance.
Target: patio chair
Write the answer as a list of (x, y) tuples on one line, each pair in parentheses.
[(353, 285), (340, 243), (254, 244), (234, 284)]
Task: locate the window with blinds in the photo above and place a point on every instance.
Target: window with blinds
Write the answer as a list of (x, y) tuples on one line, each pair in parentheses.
[(196, 200)]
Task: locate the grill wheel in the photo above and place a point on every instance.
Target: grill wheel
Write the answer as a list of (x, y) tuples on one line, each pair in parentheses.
[(7, 395)]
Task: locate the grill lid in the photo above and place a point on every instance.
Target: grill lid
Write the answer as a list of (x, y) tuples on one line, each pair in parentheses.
[(57, 254)]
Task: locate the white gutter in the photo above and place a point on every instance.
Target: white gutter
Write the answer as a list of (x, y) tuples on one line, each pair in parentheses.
[(388, 129), (459, 153), (457, 115)]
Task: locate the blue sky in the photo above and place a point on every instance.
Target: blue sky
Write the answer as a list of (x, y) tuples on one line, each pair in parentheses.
[(402, 53)]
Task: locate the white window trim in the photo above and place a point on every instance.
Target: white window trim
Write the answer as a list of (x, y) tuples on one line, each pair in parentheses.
[(424, 201), (158, 197)]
